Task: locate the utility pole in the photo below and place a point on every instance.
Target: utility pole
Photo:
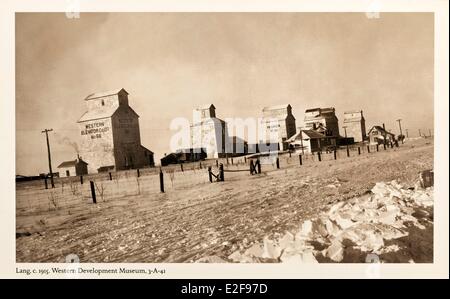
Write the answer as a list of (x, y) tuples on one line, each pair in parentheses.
[(400, 126), (49, 156), (384, 135), (346, 140), (301, 140)]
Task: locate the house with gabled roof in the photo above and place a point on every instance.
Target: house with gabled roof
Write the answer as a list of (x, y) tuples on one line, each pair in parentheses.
[(310, 141), (75, 167), (378, 135)]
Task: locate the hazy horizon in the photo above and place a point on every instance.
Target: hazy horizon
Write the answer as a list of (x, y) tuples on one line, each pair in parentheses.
[(240, 62)]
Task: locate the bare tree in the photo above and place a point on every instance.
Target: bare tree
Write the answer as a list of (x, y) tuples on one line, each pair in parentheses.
[(73, 187), (53, 200), (138, 186), (116, 178), (101, 190), (171, 175)]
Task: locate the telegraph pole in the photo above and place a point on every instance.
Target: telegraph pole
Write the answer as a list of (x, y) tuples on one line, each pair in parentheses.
[(301, 140), (49, 156), (346, 140), (400, 126)]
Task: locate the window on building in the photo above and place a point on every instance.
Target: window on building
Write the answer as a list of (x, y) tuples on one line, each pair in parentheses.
[(67, 173)]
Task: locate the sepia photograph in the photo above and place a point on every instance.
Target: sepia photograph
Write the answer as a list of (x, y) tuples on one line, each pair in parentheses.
[(224, 137)]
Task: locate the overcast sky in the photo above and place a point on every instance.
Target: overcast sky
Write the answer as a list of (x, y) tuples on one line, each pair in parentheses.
[(240, 62)]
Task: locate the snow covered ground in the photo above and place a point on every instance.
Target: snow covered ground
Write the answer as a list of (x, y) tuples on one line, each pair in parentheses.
[(329, 211)]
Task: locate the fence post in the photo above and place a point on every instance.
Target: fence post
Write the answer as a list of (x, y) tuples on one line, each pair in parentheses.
[(245, 160), (138, 173), (348, 152), (232, 161), (210, 174), (200, 165), (384, 145), (217, 163), (359, 150), (252, 167), (110, 176), (319, 156), (259, 165), (378, 148), (45, 182), (161, 180), (181, 165), (81, 179), (300, 159), (278, 163), (335, 155), (94, 199), (221, 176)]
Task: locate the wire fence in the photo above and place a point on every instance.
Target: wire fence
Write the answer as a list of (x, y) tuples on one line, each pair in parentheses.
[(33, 197)]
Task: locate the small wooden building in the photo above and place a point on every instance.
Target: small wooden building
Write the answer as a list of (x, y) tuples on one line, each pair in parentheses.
[(237, 147), (191, 155), (184, 156), (73, 168)]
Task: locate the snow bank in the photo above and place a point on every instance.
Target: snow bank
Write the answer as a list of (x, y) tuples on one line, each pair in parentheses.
[(366, 224)]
